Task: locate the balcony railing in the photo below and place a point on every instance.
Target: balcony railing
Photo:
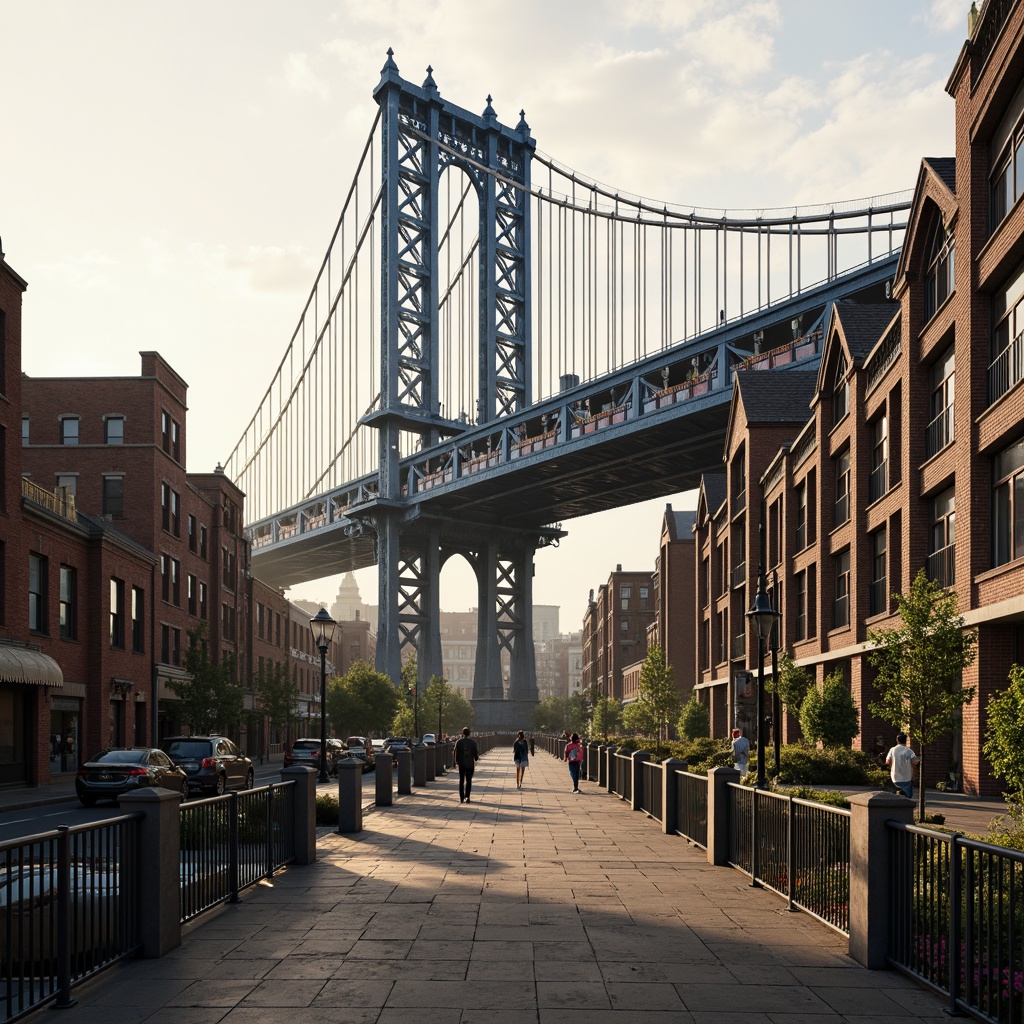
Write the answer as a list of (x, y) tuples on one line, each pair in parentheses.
[(739, 646), (878, 482), (878, 600), (841, 612), (739, 574), (1006, 369), (941, 566), (842, 509), (939, 432)]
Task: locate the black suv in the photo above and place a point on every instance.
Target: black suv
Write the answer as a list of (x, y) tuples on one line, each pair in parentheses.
[(212, 763)]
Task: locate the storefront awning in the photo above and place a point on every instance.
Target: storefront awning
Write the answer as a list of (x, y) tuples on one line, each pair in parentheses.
[(20, 665)]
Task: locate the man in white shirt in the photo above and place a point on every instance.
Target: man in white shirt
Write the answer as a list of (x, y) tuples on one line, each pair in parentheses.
[(740, 751), (901, 760)]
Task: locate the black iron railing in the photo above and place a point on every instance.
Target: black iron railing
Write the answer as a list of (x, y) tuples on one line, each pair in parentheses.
[(957, 919), (692, 807), (69, 907), (941, 566), (652, 787), (1006, 369), (939, 432)]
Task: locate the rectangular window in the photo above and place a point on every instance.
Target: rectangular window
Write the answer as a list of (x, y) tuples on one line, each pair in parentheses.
[(175, 513), (69, 430), (841, 615), (878, 482), (68, 603), (202, 542), (37, 573), (165, 577), (202, 600), (801, 516), (175, 444), (113, 496), (165, 431), (800, 620), (942, 545), (138, 621), (259, 620), (114, 429), (26, 427), (116, 612), (1008, 505), (192, 533), (176, 582), (840, 391), (878, 598), (939, 432), (842, 504), (228, 563), (193, 595), (228, 621), (175, 646), (165, 643), (165, 507)]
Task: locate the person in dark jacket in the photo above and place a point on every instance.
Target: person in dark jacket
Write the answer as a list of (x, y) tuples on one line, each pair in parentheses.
[(466, 757), (521, 757)]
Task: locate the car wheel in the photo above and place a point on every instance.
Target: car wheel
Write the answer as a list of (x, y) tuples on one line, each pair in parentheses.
[(88, 801), (250, 780), (220, 786)]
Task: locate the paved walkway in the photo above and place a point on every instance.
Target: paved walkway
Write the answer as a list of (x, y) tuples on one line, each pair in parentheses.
[(520, 907)]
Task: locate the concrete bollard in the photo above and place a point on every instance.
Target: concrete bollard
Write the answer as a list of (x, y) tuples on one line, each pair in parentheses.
[(350, 795), (305, 811), (419, 765), (384, 794), (602, 766), (870, 898), (670, 794), (718, 814), (404, 757), (636, 790), (429, 761), (160, 882), (438, 758)]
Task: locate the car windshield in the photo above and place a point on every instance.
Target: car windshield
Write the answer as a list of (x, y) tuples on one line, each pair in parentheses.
[(356, 741), (307, 745), (120, 756), (187, 748)]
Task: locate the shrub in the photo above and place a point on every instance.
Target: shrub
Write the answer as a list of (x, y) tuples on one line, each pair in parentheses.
[(704, 753), (836, 766), (694, 720), (327, 809), (829, 714)]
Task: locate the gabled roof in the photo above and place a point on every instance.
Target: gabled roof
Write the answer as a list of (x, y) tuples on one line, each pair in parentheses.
[(680, 524), (863, 324), (936, 181), (776, 396), (712, 490), (945, 169)]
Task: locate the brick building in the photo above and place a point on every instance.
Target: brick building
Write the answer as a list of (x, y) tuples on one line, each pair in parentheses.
[(917, 409)]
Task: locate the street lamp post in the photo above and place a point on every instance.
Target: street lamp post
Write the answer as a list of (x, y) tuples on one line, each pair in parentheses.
[(322, 626), (773, 644), (762, 615)]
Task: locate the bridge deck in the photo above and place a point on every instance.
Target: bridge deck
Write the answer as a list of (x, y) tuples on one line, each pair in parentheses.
[(514, 908)]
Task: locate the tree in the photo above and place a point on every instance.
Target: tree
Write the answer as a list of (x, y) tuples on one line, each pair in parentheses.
[(455, 710), (278, 696), (829, 715), (658, 692), (920, 666), (607, 717), (794, 683), (549, 715), (638, 719), (211, 697), (1004, 736), (694, 720), (362, 702)]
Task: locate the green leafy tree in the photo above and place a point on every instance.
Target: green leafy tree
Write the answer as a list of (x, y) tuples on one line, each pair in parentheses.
[(920, 666), (658, 692), (551, 715), (829, 715), (694, 720), (794, 683), (607, 717), (577, 714), (1004, 737), (441, 698), (211, 697), (638, 720), (403, 724), (277, 696), (362, 702)]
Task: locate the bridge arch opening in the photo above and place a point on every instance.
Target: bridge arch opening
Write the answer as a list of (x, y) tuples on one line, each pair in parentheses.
[(459, 601)]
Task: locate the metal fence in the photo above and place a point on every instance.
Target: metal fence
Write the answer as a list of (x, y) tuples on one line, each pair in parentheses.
[(957, 920), (692, 807), (651, 786), (230, 842), (620, 781), (69, 906)]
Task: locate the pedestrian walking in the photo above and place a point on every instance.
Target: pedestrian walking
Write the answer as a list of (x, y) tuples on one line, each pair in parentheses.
[(574, 755), (740, 751), (532, 746), (521, 756), (901, 760), (466, 757)]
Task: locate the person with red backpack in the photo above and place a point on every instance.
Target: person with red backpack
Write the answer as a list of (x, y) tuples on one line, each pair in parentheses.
[(574, 755)]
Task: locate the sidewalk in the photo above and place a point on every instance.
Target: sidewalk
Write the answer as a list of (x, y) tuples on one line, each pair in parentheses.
[(518, 907)]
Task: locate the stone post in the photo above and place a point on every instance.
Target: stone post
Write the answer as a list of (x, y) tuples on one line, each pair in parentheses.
[(602, 766), (350, 795), (870, 898), (404, 755), (718, 814), (636, 790), (305, 811), (383, 796), (429, 762), (670, 794), (419, 765), (160, 882)]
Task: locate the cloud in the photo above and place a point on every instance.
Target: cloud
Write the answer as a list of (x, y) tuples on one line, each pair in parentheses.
[(270, 268), (947, 15), (301, 77), (92, 270)]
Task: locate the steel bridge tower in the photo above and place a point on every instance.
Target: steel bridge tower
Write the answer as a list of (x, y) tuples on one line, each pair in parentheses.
[(424, 136)]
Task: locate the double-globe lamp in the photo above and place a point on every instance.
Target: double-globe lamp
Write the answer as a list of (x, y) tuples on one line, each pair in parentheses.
[(762, 615), (322, 626)]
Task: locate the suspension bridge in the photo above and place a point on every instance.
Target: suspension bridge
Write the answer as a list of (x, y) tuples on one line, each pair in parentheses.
[(495, 343)]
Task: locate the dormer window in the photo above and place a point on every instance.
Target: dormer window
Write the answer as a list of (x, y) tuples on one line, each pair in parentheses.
[(939, 277), (840, 390)]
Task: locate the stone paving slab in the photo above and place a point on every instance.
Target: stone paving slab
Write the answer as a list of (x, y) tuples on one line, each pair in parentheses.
[(519, 907)]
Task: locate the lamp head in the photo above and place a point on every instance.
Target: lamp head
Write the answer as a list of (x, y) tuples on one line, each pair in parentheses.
[(762, 614), (322, 627)]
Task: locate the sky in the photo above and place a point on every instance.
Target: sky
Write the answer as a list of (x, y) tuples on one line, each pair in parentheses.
[(170, 173)]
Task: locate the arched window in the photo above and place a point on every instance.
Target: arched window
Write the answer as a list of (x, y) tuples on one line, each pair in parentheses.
[(939, 276), (840, 390)]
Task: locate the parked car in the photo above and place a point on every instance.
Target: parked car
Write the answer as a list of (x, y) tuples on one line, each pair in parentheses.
[(212, 763), (429, 739), (306, 752), (361, 747), (118, 770)]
